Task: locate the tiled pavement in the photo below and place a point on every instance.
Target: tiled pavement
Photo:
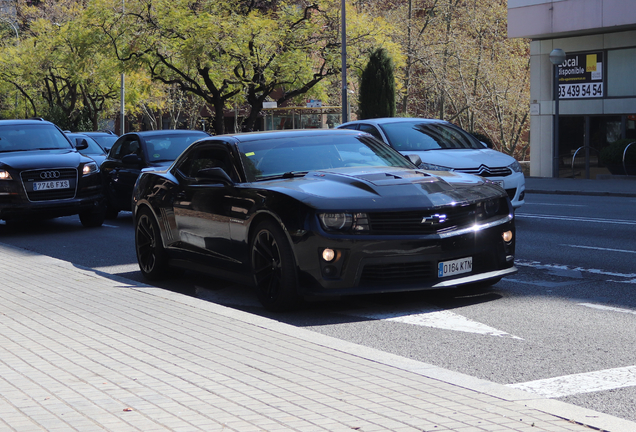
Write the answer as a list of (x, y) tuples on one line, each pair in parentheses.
[(83, 352)]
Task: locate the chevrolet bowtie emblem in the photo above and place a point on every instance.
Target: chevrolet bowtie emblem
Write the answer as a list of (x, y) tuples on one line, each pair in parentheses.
[(436, 218)]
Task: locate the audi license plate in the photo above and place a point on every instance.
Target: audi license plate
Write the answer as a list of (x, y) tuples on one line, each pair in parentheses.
[(458, 266), (55, 184)]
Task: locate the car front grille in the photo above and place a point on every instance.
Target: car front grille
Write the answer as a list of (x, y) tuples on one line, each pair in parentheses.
[(423, 222), (486, 171), (32, 176), (381, 273), (417, 272)]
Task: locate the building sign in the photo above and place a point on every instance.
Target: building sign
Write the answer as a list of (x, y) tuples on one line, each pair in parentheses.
[(581, 76)]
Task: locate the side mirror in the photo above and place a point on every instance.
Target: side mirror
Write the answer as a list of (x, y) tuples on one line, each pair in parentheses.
[(216, 175), (81, 144), (415, 159), (131, 159), (485, 144)]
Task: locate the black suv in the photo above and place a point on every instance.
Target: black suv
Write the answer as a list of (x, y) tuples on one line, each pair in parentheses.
[(43, 176)]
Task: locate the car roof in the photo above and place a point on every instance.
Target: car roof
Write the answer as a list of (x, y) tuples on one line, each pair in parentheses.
[(167, 132), (89, 133), (289, 133), (385, 120), (24, 122)]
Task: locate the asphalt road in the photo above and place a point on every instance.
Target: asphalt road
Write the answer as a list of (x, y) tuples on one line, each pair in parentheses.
[(562, 327)]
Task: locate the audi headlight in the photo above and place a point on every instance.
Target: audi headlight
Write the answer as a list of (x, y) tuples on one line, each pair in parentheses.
[(90, 168), (433, 167), (5, 175), (515, 166), (344, 221)]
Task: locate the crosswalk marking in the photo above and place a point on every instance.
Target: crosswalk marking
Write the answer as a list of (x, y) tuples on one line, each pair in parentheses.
[(436, 318), (568, 385)]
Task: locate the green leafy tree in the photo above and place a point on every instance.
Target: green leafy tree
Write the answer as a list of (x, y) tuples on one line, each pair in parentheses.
[(234, 52), (377, 87)]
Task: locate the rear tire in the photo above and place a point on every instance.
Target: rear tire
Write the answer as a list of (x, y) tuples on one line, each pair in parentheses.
[(92, 219), (111, 212), (151, 255), (274, 268)]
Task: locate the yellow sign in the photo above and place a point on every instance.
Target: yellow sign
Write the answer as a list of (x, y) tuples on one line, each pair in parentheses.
[(590, 63)]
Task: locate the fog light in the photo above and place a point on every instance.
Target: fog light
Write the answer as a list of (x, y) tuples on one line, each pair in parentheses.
[(507, 236), (328, 254), (330, 271)]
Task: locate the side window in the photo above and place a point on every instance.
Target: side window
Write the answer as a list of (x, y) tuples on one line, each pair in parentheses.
[(353, 126), (129, 145), (209, 157), (372, 130), (116, 150)]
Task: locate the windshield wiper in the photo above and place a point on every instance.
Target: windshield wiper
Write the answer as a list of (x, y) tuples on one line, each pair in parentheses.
[(289, 174)]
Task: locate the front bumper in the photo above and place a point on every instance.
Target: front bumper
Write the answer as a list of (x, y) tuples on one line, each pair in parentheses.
[(379, 264)]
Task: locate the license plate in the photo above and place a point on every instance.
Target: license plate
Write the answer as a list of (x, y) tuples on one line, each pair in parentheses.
[(55, 184), (458, 266), (498, 182)]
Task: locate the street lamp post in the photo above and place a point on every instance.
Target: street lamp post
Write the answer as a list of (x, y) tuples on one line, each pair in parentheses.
[(345, 103), (557, 57)]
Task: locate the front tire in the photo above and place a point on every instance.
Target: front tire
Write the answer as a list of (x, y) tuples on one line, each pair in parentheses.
[(151, 255), (274, 268)]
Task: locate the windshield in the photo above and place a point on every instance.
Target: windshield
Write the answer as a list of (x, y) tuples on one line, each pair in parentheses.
[(105, 141), (409, 136), (24, 137), (167, 147), (269, 158)]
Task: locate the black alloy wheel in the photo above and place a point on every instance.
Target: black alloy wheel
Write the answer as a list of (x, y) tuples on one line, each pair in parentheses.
[(151, 255), (274, 268)]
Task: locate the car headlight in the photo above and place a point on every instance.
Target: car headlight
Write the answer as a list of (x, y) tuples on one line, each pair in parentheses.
[(5, 175), (433, 167), (89, 168), (515, 166), (344, 221)]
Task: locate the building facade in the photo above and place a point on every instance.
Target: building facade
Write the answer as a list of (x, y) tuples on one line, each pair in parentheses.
[(596, 82)]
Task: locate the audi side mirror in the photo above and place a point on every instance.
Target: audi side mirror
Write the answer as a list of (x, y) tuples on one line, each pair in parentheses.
[(81, 144)]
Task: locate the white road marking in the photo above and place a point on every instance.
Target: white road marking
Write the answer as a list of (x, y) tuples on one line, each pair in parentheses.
[(568, 385), (557, 204), (577, 219), (599, 248), (436, 318), (124, 268), (608, 308), (538, 265)]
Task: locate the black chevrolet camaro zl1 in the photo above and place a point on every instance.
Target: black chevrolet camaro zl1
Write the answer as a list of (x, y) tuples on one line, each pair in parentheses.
[(319, 213)]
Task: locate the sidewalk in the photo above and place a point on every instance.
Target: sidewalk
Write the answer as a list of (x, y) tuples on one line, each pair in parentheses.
[(619, 186), (83, 352)]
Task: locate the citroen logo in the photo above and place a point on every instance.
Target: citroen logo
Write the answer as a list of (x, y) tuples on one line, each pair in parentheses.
[(49, 175), (436, 218)]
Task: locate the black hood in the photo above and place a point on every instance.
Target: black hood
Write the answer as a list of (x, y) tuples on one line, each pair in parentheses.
[(371, 188), (23, 160)]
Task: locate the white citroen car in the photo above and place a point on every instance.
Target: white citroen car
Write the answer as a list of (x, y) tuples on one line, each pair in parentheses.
[(443, 146)]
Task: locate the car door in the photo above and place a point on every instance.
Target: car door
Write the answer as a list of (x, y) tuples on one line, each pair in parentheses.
[(203, 205), (121, 169)]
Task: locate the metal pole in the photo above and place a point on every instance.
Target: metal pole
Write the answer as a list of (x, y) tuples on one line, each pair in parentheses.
[(345, 103), (122, 127), (555, 127), (587, 147)]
